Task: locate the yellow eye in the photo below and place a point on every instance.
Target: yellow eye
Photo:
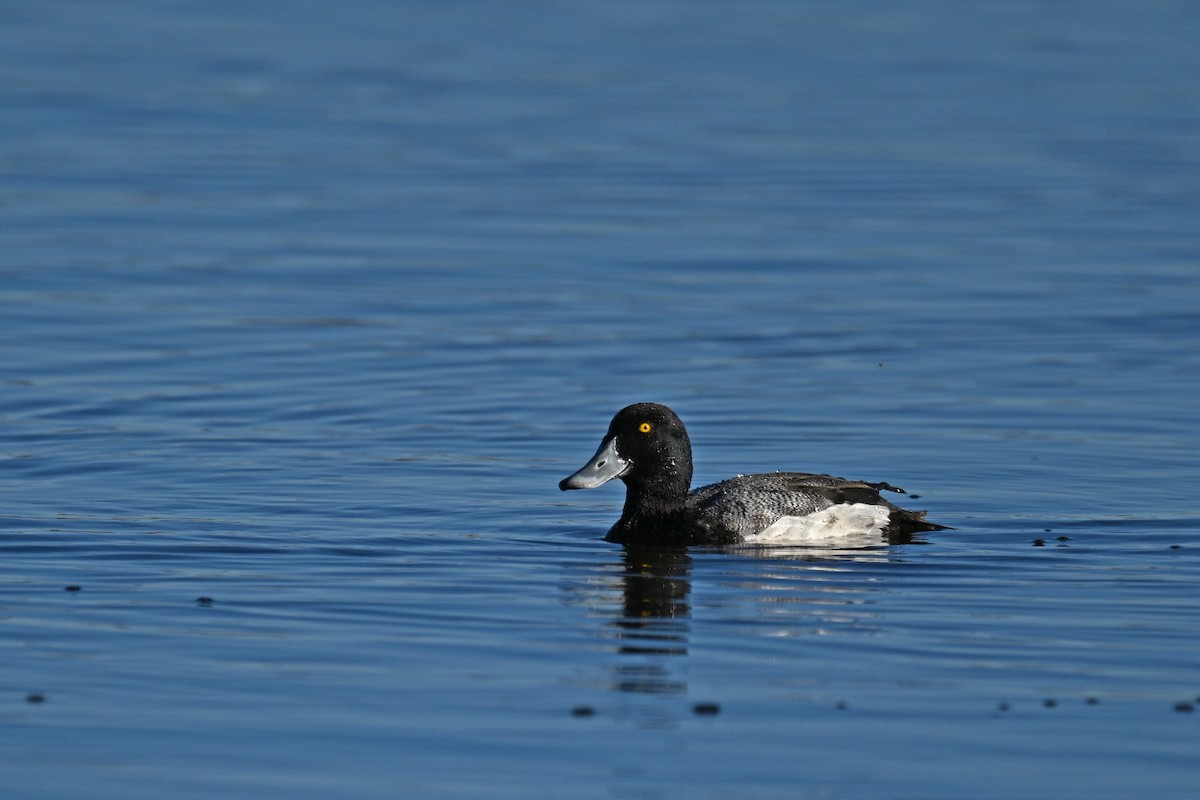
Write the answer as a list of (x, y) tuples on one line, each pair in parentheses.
[(645, 427)]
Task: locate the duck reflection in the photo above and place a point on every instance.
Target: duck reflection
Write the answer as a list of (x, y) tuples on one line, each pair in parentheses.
[(655, 589), (650, 625)]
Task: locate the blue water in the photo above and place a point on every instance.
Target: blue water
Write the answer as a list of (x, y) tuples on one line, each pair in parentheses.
[(306, 307)]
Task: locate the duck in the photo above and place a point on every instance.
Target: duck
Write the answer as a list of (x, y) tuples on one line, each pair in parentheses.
[(648, 448)]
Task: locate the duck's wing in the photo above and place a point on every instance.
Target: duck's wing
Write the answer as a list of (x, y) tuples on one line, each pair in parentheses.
[(836, 490), (840, 490), (747, 504), (741, 506)]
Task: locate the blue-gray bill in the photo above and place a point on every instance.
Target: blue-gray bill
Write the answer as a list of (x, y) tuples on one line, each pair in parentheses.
[(603, 467)]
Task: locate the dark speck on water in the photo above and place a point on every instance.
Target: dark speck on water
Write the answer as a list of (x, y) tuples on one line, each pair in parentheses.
[(311, 311)]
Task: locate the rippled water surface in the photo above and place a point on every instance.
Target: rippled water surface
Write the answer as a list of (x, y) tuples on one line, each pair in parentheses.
[(305, 308)]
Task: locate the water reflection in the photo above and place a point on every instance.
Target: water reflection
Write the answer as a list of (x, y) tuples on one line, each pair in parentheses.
[(643, 601), (655, 586), (650, 622), (860, 546)]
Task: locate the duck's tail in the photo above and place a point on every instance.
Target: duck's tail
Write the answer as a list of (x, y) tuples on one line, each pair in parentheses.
[(904, 521)]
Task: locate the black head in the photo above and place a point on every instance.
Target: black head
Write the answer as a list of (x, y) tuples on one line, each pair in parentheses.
[(648, 448)]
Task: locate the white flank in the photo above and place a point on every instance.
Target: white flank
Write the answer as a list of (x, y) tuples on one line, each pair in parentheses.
[(840, 524)]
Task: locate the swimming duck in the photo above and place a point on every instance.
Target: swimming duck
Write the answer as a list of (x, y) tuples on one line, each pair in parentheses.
[(648, 448)]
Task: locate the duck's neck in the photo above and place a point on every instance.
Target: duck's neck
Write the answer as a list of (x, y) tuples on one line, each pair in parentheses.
[(654, 504)]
